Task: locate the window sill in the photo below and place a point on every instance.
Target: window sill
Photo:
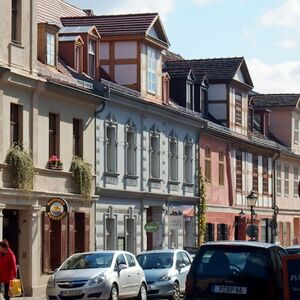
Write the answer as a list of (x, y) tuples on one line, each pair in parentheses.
[(111, 174), (155, 179), (128, 176), (173, 182), (188, 184), (17, 44)]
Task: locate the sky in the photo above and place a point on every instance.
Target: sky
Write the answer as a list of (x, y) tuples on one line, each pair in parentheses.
[(265, 32)]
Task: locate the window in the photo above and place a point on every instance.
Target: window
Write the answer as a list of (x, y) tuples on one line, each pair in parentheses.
[(265, 175), (130, 260), (15, 124), (255, 173), (286, 180), (77, 58), (239, 168), (111, 148), (189, 96), (130, 151), (15, 20), (222, 232), (296, 131), (50, 56), (188, 162), (151, 70), (173, 158), (92, 58), (207, 164), (210, 232), (53, 135), (296, 180), (77, 137), (203, 97), (278, 179), (154, 155), (238, 109), (221, 168)]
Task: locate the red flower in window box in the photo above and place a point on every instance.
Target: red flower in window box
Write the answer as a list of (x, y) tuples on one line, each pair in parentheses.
[(55, 163)]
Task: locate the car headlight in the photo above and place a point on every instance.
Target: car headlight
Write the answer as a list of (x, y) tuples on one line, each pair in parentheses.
[(96, 280), (51, 282), (165, 278)]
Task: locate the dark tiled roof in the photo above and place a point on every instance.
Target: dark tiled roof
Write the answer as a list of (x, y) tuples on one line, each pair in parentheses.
[(129, 24), (177, 72), (50, 11), (275, 100), (170, 56), (216, 69)]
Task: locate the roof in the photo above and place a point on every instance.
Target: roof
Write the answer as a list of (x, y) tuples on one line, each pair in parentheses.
[(171, 56), (69, 38), (275, 100), (52, 11), (76, 29), (127, 24), (216, 69), (241, 243)]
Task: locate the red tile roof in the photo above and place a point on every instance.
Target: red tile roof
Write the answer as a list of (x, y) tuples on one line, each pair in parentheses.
[(50, 11), (129, 24)]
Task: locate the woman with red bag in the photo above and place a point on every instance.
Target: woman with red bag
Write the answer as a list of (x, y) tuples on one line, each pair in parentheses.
[(8, 267)]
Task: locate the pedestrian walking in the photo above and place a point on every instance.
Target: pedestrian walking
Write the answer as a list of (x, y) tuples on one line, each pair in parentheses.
[(8, 267)]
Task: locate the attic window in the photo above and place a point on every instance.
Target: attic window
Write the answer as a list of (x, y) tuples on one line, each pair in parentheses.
[(238, 109), (151, 70), (92, 58), (77, 58), (189, 96), (50, 55)]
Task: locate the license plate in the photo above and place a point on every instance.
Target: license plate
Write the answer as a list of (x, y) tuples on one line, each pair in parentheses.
[(71, 293), (229, 289)]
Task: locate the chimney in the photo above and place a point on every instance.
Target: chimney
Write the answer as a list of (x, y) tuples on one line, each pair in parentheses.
[(89, 12)]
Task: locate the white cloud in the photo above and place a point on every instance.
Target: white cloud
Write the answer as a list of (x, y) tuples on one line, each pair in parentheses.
[(285, 15), (127, 6), (275, 78), (203, 2), (287, 44)]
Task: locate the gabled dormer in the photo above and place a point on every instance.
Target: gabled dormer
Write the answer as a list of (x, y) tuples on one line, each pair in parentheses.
[(82, 42), (130, 50), (48, 43)]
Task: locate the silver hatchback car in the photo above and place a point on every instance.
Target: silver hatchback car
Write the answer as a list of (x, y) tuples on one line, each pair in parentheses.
[(165, 272), (98, 275)]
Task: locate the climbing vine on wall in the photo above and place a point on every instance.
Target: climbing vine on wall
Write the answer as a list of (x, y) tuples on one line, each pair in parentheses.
[(201, 209)]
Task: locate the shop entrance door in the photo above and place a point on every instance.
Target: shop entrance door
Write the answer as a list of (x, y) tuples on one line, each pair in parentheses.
[(11, 229)]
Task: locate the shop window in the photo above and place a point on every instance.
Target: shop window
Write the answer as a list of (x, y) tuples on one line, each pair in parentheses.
[(16, 120)]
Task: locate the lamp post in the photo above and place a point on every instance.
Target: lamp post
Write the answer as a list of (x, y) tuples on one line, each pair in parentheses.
[(251, 201)]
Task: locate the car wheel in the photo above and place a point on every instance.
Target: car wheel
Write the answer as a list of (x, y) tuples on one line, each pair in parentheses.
[(176, 292), (114, 293), (142, 293)]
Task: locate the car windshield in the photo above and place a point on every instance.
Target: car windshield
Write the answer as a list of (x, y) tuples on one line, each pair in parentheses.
[(232, 261), (88, 261), (155, 260)]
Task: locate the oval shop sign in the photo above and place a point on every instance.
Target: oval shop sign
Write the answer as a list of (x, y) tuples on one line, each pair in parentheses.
[(57, 208), (151, 227)]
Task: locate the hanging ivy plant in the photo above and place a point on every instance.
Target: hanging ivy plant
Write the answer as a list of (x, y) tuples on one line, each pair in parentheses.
[(82, 174), (22, 167), (201, 210)]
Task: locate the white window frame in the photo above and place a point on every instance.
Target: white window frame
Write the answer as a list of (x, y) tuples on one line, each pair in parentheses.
[(286, 179), (188, 161), (151, 70), (111, 148), (92, 55), (278, 179), (189, 95), (130, 150), (154, 168), (50, 48), (173, 158), (296, 131), (296, 181)]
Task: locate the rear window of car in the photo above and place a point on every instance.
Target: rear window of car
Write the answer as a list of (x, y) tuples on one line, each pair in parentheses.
[(232, 261), (293, 251)]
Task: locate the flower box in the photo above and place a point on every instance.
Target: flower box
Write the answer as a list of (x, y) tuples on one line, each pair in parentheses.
[(54, 163)]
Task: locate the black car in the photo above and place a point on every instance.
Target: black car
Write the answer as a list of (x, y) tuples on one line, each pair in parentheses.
[(291, 250), (236, 270)]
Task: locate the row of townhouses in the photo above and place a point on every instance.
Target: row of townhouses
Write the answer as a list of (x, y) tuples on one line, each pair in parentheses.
[(108, 90)]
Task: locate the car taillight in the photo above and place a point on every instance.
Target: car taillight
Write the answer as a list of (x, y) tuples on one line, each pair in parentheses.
[(189, 284)]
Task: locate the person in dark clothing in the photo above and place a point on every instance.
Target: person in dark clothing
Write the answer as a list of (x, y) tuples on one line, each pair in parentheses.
[(8, 267)]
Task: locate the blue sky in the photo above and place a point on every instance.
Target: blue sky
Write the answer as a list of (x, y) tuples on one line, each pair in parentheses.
[(265, 32)]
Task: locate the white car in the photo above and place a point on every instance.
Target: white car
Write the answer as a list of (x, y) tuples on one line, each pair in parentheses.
[(98, 275)]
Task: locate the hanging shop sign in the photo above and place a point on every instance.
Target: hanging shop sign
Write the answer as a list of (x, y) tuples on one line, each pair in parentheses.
[(151, 227), (175, 218), (57, 208)]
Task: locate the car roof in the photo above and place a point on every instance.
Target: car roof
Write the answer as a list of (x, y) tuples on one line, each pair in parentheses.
[(105, 251), (241, 243), (293, 247), (161, 251)]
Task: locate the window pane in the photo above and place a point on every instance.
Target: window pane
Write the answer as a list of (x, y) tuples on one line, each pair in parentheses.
[(53, 135), (239, 180), (238, 109), (50, 49), (77, 137), (151, 70), (111, 149), (131, 153), (173, 160), (255, 173), (92, 59), (154, 156)]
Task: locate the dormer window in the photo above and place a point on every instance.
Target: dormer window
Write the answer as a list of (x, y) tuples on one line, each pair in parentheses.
[(151, 70), (92, 58), (50, 57), (203, 98), (189, 95), (77, 59)]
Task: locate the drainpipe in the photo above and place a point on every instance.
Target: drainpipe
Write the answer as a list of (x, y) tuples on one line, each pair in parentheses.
[(274, 206)]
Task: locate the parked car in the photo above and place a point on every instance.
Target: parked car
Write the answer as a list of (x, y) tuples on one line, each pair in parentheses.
[(236, 270), (165, 272), (98, 275), (293, 249)]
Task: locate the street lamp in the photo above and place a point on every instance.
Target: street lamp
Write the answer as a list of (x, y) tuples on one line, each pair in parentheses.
[(251, 201)]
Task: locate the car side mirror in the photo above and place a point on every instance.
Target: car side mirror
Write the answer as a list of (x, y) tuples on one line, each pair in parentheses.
[(180, 266), (121, 267)]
